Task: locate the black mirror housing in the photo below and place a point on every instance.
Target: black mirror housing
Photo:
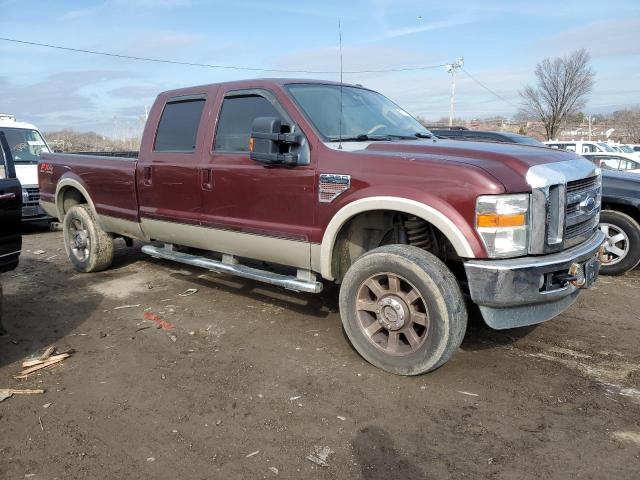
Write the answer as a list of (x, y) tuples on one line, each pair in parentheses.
[(268, 144)]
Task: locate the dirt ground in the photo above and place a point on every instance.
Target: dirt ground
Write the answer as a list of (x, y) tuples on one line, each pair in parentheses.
[(254, 379)]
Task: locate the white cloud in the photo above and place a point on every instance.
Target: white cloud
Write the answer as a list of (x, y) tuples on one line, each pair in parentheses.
[(404, 31), (610, 38)]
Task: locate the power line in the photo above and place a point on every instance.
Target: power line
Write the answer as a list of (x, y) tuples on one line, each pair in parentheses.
[(207, 65), (488, 89)]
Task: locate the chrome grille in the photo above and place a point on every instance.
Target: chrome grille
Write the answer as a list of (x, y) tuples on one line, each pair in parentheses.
[(30, 196), (582, 184), (582, 209)]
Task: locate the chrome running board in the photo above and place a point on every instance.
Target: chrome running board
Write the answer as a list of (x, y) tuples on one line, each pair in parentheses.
[(231, 266)]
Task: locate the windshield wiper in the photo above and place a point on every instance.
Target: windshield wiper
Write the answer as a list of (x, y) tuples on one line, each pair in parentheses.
[(363, 137), (423, 135)]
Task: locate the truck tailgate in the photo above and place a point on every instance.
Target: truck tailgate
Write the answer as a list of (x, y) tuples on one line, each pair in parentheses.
[(110, 182)]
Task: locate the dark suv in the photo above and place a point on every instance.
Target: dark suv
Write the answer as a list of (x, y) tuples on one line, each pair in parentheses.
[(10, 213)]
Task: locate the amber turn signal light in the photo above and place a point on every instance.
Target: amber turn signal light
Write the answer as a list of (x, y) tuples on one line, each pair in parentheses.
[(492, 220), (250, 144)]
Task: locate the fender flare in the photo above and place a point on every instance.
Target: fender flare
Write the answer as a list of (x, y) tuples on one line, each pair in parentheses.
[(73, 183), (404, 205)]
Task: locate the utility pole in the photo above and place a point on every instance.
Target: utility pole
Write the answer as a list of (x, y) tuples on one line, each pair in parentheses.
[(451, 69), (589, 127)]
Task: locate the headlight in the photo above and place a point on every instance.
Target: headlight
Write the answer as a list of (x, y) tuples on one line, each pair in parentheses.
[(503, 224)]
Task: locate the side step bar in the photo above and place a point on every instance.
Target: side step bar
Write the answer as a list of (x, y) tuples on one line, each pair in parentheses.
[(288, 282)]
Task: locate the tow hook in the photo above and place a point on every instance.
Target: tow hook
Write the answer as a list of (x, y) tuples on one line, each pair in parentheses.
[(575, 270), (602, 252)]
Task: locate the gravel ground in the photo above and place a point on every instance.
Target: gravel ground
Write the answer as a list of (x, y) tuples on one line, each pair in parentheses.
[(253, 379)]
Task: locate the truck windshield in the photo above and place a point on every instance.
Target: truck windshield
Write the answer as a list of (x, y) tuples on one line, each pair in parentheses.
[(25, 144), (366, 115), (606, 147)]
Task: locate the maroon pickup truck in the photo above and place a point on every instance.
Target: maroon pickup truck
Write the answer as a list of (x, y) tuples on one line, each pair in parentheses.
[(335, 183)]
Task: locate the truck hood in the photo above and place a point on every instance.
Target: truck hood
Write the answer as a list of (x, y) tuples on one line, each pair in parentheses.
[(27, 173), (507, 163)]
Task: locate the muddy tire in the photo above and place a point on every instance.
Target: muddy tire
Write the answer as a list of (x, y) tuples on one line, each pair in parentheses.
[(89, 248), (402, 309), (622, 250)]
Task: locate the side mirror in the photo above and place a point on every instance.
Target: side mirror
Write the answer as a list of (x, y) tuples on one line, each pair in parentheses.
[(268, 144)]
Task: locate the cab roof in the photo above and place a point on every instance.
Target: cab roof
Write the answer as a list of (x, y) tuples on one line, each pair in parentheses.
[(9, 121), (251, 83)]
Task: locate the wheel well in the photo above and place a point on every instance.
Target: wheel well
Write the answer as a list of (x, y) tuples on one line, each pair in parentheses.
[(70, 197), (368, 230), (630, 210)]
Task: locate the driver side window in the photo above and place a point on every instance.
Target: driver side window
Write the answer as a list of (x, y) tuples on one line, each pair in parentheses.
[(236, 118), (610, 163)]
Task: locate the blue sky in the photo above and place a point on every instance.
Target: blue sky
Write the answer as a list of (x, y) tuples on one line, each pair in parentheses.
[(500, 41)]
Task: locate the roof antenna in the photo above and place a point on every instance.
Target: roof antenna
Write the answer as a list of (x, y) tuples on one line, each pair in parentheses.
[(340, 121)]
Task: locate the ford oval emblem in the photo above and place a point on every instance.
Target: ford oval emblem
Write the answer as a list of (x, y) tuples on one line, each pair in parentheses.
[(588, 204)]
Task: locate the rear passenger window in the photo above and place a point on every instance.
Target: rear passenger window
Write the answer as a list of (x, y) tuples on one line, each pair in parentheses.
[(178, 127), (236, 117)]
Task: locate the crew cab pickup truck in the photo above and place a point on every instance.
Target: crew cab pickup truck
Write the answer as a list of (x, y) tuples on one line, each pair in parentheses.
[(328, 182)]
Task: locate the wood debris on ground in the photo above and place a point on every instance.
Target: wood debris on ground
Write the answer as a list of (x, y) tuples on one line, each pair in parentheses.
[(49, 357), (9, 392)]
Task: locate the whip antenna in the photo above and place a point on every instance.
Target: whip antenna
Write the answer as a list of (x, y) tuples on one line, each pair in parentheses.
[(340, 121)]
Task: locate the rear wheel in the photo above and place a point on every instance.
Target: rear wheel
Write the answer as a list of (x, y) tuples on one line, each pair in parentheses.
[(402, 309), (622, 242), (89, 248)]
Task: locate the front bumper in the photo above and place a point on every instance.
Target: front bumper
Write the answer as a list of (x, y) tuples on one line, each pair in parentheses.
[(34, 213), (524, 291)]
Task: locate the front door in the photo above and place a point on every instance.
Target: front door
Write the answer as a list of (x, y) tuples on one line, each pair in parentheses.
[(10, 211), (267, 211)]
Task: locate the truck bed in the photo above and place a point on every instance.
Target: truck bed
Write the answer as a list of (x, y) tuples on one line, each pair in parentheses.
[(110, 181)]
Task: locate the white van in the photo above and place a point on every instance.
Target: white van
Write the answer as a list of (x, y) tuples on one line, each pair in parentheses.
[(26, 143), (581, 146)]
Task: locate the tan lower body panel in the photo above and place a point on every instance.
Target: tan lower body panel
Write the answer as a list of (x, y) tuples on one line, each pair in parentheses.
[(121, 227), (259, 247), (50, 208)]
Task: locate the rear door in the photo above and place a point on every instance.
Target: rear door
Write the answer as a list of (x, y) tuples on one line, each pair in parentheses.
[(169, 165), (10, 210)]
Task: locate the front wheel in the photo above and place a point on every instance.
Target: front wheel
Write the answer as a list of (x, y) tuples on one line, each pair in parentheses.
[(89, 248), (402, 309), (622, 242)]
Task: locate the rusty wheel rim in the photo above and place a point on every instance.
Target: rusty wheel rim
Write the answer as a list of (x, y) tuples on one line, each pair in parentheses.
[(392, 314)]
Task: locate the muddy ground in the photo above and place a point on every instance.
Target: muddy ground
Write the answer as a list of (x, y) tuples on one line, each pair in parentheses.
[(253, 379)]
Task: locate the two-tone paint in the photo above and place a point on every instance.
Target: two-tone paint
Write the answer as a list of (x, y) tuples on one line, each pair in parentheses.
[(274, 213)]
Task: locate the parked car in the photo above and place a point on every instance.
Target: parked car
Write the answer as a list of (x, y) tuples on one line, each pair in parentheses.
[(620, 221), (10, 204), (485, 136), (407, 224), (26, 144), (614, 161), (581, 146), (626, 149)]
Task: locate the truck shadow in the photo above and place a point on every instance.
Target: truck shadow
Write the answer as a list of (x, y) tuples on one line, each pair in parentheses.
[(34, 228), (480, 336), (42, 305), (309, 304), (374, 451)]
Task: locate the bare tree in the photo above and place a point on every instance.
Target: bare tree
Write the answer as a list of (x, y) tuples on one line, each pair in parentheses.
[(628, 124), (562, 85)]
